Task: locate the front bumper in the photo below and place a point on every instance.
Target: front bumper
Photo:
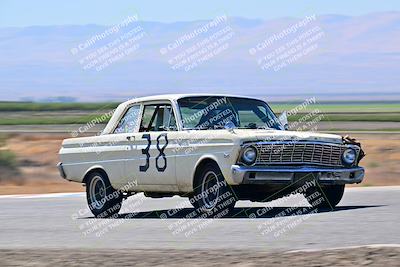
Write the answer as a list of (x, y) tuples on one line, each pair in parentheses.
[(287, 175)]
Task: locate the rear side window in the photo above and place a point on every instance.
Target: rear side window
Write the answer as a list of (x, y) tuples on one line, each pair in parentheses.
[(129, 121), (158, 117)]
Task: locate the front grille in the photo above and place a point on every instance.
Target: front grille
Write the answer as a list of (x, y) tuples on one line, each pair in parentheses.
[(295, 153)]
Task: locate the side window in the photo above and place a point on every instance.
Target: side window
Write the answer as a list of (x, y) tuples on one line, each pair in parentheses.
[(158, 117), (146, 118), (129, 121), (169, 118)]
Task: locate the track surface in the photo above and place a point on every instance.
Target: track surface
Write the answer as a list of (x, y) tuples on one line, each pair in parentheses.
[(364, 216)]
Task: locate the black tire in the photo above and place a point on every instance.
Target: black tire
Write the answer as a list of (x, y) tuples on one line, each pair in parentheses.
[(103, 200), (326, 197), (212, 196)]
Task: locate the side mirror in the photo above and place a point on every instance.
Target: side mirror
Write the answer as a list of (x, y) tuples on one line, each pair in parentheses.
[(284, 120)]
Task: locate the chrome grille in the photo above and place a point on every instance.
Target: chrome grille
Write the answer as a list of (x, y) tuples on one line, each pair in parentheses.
[(299, 153)]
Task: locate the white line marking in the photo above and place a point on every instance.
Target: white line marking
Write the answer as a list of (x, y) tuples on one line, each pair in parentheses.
[(391, 187), (348, 247), (79, 194), (51, 195), (10, 196)]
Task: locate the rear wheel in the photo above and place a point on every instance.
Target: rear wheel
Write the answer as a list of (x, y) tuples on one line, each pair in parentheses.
[(212, 196), (325, 197), (103, 200)]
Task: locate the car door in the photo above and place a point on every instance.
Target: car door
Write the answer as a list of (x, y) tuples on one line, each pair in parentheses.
[(156, 145), (126, 132)]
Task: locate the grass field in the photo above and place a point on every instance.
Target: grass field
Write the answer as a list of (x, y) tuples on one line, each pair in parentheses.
[(45, 120), (383, 117), (331, 107), (29, 106), (26, 113), (344, 107)]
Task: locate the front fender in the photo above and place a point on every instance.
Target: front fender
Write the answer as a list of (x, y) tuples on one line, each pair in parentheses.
[(224, 160)]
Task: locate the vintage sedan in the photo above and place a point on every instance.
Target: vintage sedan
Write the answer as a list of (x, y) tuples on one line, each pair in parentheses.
[(214, 149)]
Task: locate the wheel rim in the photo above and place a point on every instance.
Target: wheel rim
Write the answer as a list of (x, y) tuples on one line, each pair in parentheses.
[(97, 192), (209, 196)]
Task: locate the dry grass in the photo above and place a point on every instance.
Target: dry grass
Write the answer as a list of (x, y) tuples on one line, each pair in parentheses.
[(382, 159), (37, 158)]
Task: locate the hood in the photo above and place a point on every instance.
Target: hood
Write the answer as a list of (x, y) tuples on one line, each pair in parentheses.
[(247, 135)]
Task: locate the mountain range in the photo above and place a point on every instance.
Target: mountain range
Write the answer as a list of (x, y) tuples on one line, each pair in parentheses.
[(355, 55)]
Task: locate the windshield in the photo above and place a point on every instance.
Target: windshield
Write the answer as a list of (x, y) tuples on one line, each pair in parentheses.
[(218, 112)]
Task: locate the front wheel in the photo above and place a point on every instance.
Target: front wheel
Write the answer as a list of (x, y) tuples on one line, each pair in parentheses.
[(212, 195), (103, 200), (325, 197)]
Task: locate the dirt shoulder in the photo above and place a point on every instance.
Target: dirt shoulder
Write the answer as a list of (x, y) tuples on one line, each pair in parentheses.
[(36, 159), (362, 256), (382, 159)]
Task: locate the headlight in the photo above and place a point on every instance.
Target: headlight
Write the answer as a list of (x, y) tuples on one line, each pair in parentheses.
[(249, 155), (349, 156)]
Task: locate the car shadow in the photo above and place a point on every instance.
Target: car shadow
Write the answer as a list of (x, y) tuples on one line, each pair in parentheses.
[(237, 213)]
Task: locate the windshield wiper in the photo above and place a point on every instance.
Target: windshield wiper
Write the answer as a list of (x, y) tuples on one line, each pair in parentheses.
[(218, 127), (199, 128), (251, 125)]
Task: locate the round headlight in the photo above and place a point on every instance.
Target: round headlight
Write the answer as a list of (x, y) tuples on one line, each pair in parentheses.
[(349, 156), (249, 155)]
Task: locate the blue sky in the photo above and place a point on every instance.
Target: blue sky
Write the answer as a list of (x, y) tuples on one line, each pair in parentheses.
[(52, 12)]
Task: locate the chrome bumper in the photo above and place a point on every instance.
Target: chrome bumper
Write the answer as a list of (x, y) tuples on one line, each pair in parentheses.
[(286, 175)]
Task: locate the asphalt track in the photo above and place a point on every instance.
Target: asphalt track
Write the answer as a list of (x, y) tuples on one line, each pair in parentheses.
[(365, 216)]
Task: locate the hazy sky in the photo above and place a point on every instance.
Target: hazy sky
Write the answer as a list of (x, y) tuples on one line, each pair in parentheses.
[(52, 12)]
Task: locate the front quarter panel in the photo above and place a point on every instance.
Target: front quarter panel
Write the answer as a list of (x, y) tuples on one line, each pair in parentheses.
[(196, 146)]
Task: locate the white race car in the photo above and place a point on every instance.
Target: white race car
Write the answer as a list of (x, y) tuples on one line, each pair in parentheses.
[(214, 149)]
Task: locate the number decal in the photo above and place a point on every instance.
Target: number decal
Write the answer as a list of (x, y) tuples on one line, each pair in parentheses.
[(161, 152), (145, 151)]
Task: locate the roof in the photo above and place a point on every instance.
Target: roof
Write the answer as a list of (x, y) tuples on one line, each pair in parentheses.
[(173, 97)]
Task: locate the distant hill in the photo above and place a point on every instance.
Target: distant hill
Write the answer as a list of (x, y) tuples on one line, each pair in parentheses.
[(355, 54)]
